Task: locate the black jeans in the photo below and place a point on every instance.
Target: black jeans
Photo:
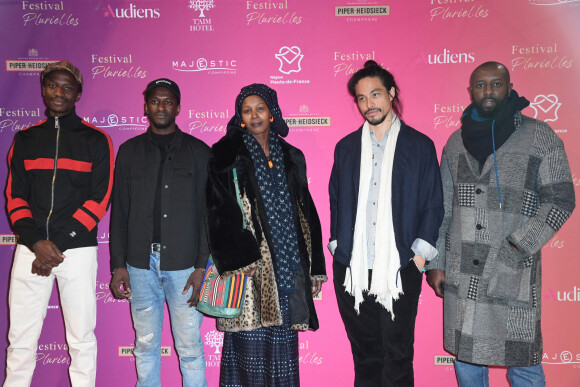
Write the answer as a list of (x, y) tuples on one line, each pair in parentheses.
[(382, 349)]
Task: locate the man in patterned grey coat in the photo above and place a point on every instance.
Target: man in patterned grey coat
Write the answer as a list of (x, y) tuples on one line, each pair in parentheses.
[(507, 190)]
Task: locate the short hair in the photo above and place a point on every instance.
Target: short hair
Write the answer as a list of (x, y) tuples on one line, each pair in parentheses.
[(373, 69), (490, 64)]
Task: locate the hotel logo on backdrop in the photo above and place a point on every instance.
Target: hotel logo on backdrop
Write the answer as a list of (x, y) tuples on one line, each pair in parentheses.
[(270, 12), (201, 23), (116, 66), (47, 13), (131, 12), (289, 61), (539, 57), (214, 66)]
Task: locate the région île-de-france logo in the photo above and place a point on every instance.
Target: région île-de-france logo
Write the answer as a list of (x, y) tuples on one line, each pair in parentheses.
[(290, 58), (131, 12), (201, 6), (546, 107), (214, 339)]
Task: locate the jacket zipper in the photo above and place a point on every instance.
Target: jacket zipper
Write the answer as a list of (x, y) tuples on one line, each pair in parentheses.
[(57, 126)]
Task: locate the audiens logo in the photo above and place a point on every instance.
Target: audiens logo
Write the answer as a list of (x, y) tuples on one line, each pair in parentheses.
[(447, 57), (290, 58), (132, 12), (546, 107), (214, 339), (201, 6), (564, 296)]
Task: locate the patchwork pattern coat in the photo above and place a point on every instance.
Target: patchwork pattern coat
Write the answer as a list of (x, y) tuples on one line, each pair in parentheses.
[(492, 298)]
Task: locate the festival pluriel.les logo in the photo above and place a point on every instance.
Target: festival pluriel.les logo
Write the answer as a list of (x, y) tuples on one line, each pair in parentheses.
[(201, 6), (290, 58), (44, 13), (546, 107)]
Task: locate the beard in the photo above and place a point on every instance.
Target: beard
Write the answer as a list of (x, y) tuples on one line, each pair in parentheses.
[(376, 120)]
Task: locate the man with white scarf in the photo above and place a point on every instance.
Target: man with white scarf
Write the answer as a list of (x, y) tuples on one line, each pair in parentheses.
[(386, 208)]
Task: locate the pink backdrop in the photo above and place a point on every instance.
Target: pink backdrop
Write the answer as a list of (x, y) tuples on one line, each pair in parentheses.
[(306, 50)]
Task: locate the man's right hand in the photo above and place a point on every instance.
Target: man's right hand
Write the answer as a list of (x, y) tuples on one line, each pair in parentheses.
[(435, 279), (120, 283), (47, 255)]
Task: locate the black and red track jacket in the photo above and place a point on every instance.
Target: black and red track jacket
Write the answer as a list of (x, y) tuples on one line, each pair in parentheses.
[(60, 181)]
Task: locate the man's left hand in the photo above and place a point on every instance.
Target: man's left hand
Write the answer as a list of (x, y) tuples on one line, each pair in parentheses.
[(194, 280)]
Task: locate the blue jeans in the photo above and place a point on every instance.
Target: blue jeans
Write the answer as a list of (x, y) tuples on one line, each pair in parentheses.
[(149, 290), (473, 375)]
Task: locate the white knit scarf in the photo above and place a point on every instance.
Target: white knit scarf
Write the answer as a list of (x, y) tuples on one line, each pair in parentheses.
[(386, 282)]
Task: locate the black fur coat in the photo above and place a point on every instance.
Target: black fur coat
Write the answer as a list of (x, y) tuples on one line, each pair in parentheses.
[(234, 248)]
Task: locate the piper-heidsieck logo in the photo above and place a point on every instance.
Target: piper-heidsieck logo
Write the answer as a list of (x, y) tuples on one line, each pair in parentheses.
[(271, 12), (347, 63), (47, 13), (131, 11), (30, 65), (212, 65), (127, 351), (119, 122), (202, 23), (449, 57), (448, 10), (116, 66), (443, 360), (364, 12), (8, 239), (540, 56), (15, 119)]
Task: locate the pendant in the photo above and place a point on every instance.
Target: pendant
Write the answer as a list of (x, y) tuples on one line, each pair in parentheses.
[(270, 163)]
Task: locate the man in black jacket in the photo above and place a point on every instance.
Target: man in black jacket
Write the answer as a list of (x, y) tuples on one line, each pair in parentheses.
[(158, 240), (59, 186)]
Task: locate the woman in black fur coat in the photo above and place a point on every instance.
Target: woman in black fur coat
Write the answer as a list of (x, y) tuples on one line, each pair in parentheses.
[(278, 242)]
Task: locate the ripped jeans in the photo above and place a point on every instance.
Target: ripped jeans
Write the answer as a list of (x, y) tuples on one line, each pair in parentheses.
[(149, 291)]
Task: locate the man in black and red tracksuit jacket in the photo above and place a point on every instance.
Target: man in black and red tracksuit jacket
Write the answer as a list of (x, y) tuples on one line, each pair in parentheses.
[(59, 187)]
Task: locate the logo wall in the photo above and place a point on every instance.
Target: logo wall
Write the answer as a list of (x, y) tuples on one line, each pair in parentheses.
[(290, 58), (546, 107)]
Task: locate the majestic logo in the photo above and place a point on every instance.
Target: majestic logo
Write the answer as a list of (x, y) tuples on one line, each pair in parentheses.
[(290, 58), (564, 357), (546, 107), (132, 12), (201, 6), (214, 339)]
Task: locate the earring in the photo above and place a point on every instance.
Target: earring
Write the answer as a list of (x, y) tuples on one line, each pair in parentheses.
[(243, 125), (272, 119)]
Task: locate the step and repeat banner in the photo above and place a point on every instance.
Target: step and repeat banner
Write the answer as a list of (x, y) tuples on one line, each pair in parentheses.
[(306, 50)]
